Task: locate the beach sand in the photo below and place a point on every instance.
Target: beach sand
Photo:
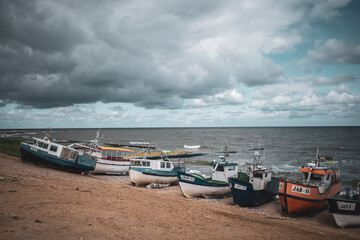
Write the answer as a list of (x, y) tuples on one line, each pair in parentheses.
[(42, 203)]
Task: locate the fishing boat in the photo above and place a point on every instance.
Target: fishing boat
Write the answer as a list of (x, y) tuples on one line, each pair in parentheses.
[(147, 171), (196, 185), (345, 208), (55, 155), (254, 187), (309, 192), (110, 160)]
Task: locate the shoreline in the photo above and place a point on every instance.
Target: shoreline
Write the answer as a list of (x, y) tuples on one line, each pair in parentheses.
[(42, 203)]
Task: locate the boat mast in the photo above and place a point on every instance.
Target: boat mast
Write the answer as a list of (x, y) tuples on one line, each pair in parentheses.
[(316, 165), (317, 157)]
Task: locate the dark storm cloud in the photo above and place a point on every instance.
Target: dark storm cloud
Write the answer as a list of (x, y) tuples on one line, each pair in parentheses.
[(153, 54)]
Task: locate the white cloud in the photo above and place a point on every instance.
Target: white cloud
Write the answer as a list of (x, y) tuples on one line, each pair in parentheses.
[(228, 97), (335, 51), (327, 9), (341, 78), (341, 95)]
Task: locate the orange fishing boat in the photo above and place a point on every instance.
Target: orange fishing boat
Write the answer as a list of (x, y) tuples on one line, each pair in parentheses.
[(309, 192)]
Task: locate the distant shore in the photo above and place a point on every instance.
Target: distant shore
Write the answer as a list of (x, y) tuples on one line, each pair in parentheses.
[(42, 203)]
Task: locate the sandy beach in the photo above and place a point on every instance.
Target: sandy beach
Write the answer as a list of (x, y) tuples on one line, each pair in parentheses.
[(42, 203)]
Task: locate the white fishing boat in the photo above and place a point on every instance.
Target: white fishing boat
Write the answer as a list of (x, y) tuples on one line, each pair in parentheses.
[(345, 208), (147, 171), (196, 185), (110, 160)]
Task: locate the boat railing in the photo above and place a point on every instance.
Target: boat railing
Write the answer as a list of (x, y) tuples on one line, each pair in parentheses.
[(312, 183), (178, 162), (114, 158)]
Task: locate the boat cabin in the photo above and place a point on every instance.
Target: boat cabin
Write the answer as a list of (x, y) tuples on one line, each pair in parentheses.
[(56, 149), (319, 176), (155, 164), (259, 177), (222, 171)]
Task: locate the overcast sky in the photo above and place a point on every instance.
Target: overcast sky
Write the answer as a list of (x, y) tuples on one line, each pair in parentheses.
[(179, 63)]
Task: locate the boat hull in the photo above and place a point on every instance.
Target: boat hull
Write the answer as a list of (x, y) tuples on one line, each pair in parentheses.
[(244, 194), (82, 163), (346, 220), (192, 185), (346, 212), (111, 167), (145, 176), (297, 198)]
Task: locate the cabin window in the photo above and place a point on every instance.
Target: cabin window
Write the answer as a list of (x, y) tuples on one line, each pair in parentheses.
[(315, 177), (167, 165), (53, 148), (257, 175), (231, 168), (220, 168), (136, 163), (43, 145), (162, 165), (146, 164), (266, 175), (72, 155), (328, 177)]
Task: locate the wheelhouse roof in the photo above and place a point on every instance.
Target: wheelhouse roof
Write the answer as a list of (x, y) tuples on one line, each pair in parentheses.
[(317, 171), (267, 170), (225, 164)]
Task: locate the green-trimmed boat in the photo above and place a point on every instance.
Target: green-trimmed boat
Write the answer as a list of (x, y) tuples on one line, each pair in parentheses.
[(195, 185), (147, 171), (345, 208), (254, 187)]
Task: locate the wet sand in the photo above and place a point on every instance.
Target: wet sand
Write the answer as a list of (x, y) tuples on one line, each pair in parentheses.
[(42, 203)]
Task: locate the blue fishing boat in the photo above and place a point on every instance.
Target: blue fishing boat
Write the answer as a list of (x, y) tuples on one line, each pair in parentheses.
[(345, 208), (196, 185), (147, 171), (57, 156), (255, 187)]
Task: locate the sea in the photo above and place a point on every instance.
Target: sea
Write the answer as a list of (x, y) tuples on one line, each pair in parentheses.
[(284, 149)]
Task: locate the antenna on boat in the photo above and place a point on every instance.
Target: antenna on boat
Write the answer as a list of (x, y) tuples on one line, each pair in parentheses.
[(47, 135), (264, 153), (226, 151), (317, 157)]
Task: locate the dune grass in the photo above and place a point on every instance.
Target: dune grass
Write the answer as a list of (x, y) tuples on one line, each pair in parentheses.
[(10, 146)]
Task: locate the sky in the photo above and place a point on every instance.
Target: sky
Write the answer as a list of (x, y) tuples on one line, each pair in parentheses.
[(152, 63)]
